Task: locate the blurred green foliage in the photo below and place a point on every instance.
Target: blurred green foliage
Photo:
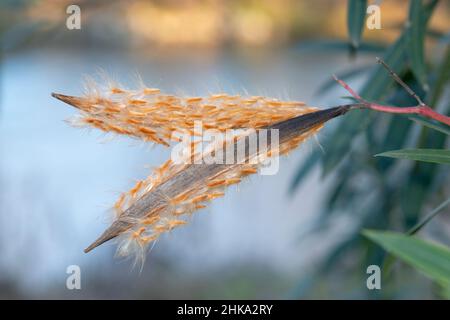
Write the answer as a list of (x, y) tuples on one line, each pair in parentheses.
[(431, 259), (378, 192), (355, 20)]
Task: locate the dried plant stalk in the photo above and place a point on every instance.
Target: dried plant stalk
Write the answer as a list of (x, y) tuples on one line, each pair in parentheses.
[(174, 191)]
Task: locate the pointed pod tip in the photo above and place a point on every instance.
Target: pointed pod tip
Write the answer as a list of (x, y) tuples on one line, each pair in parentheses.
[(106, 236), (60, 96), (88, 249), (71, 100), (117, 228)]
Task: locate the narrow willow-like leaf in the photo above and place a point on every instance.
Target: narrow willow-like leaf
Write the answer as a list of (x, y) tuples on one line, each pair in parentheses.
[(429, 217), (393, 139), (390, 259), (427, 155), (442, 76), (356, 14), (431, 259), (416, 40)]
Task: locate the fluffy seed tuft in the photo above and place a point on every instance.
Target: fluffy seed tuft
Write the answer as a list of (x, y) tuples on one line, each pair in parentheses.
[(165, 199)]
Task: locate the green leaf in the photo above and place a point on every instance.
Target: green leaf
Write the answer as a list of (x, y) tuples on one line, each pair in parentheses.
[(442, 77), (418, 185), (426, 155), (446, 292), (428, 218), (375, 88), (356, 13), (428, 9), (393, 139), (395, 56), (390, 259), (379, 82), (431, 259), (416, 38), (431, 124), (338, 143)]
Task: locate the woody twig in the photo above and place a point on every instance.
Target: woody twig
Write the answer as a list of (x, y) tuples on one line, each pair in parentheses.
[(420, 109)]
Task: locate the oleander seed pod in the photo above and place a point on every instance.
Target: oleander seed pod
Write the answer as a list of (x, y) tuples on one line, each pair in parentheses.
[(153, 116), (174, 191)]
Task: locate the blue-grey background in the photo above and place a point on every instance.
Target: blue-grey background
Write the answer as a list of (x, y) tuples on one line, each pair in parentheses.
[(58, 182)]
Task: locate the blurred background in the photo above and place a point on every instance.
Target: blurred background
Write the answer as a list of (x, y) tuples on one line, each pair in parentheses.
[(292, 235)]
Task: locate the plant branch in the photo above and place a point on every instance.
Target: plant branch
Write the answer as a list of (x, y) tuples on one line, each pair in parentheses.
[(400, 81), (421, 109)]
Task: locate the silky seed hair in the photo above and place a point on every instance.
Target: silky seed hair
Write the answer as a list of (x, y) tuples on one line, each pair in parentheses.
[(150, 115), (176, 205), (166, 199)]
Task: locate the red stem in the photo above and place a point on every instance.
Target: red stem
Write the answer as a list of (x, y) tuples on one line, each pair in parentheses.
[(420, 109), (347, 87), (424, 110)]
